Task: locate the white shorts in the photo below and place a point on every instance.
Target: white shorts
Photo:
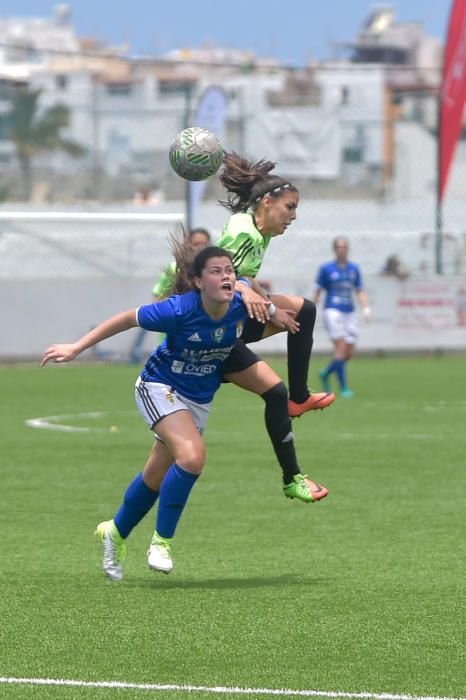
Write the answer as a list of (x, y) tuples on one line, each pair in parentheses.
[(341, 325), (155, 401)]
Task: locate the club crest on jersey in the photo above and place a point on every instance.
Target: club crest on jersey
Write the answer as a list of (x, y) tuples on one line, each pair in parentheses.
[(239, 329), (218, 334)]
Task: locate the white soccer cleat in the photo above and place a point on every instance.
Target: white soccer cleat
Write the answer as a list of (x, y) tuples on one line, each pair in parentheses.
[(114, 549), (158, 554)]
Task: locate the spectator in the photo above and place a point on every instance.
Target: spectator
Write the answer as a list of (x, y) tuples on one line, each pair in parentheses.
[(394, 268)]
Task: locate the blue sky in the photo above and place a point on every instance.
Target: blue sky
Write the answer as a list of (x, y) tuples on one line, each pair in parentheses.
[(290, 31)]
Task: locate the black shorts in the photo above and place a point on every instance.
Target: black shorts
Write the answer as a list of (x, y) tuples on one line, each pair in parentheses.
[(240, 358)]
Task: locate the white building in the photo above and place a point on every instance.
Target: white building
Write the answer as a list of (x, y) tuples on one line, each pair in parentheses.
[(25, 41), (331, 122)]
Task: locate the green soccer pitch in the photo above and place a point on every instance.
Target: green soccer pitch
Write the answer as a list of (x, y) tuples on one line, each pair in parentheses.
[(360, 593)]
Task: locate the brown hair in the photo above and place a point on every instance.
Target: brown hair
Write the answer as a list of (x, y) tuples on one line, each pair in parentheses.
[(190, 265), (247, 183)]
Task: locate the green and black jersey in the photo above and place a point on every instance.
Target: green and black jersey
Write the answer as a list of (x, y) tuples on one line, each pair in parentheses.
[(245, 243)]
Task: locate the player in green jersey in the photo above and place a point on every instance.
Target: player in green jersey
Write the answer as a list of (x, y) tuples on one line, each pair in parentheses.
[(263, 206), (199, 238)]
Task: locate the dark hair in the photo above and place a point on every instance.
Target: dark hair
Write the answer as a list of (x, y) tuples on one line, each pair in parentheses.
[(188, 265), (201, 230), (247, 182), (340, 238), (204, 255)]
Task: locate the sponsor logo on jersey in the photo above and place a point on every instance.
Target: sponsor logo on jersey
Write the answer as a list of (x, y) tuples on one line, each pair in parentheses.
[(206, 354), (196, 337), (192, 368), (218, 334), (177, 366)]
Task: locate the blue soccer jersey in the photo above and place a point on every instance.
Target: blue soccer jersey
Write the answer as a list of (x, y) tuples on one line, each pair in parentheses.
[(339, 283), (191, 357)]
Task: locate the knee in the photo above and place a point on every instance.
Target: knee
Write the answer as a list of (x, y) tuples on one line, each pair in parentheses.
[(276, 394), (192, 461), (307, 312)]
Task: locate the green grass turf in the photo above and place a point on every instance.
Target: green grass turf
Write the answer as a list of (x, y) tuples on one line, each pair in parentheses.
[(361, 592)]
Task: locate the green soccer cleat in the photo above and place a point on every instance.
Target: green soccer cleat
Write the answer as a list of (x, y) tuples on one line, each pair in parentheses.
[(304, 489), (158, 554), (114, 549)]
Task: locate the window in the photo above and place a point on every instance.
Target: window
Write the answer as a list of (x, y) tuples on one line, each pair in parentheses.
[(175, 87), (119, 89)]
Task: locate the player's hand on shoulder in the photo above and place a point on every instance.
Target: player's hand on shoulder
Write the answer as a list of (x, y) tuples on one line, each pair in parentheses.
[(285, 320), (64, 352)]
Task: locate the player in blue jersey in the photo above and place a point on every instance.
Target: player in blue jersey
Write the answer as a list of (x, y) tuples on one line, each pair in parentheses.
[(341, 280), (198, 238), (173, 394)]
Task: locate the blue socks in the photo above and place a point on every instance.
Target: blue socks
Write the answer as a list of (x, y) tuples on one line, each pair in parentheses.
[(339, 367), (138, 500), (340, 370), (174, 493)]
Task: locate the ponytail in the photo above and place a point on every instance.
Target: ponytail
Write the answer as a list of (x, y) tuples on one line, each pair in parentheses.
[(247, 182)]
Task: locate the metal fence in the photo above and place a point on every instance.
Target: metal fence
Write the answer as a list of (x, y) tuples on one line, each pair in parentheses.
[(364, 161)]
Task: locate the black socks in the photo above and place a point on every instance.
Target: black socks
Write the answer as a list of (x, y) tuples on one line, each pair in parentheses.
[(278, 424), (299, 352)]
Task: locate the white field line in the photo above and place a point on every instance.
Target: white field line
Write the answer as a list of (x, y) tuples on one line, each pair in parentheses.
[(56, 423), (50, 422), (215, 690)]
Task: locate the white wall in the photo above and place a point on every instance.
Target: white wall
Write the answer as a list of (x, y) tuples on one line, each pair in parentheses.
[(421, 313)]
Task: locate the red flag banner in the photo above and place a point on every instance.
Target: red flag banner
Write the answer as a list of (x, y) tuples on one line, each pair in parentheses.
[(453, 90)]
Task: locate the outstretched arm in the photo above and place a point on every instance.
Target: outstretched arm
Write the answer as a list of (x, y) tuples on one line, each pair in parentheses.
[(65, 352)]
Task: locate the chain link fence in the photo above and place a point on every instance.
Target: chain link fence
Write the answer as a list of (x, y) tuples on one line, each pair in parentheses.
[(362, 155)]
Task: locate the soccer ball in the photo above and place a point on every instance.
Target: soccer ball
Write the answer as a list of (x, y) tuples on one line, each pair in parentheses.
[(195, 154)]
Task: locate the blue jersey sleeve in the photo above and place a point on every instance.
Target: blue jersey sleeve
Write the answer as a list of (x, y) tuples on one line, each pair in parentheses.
[(358, 279), (160, 316), (321, 280)]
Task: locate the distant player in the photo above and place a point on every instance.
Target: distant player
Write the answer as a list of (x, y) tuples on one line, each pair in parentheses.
[(198, 238), (341, 280)]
